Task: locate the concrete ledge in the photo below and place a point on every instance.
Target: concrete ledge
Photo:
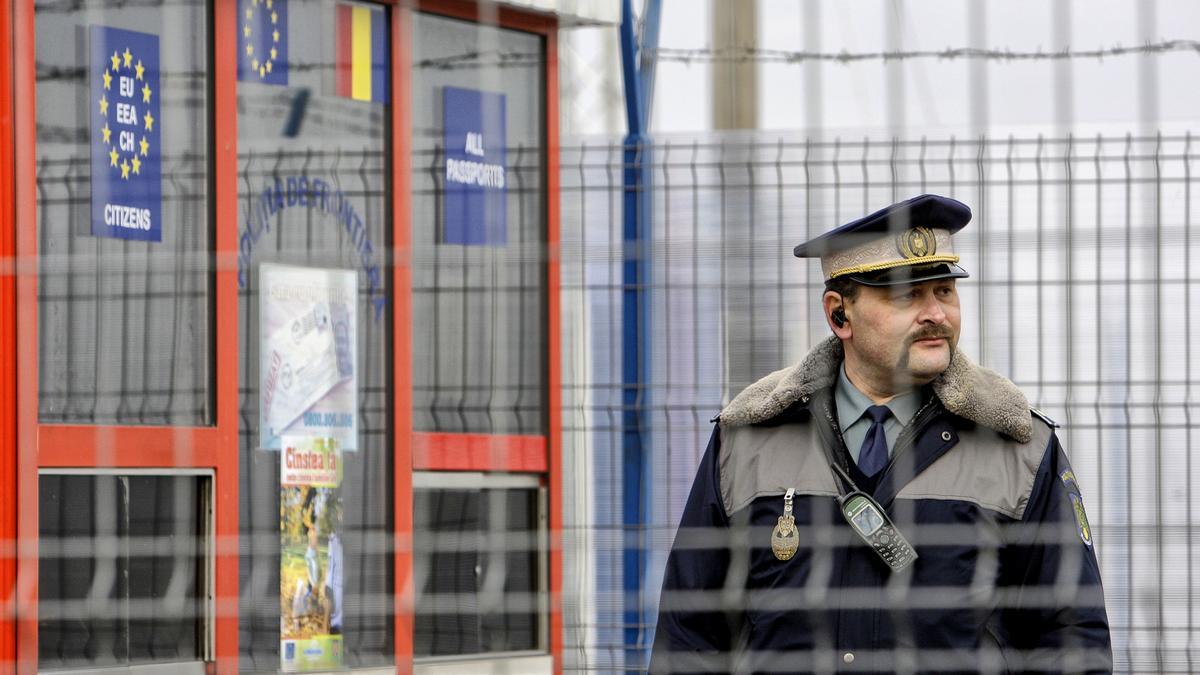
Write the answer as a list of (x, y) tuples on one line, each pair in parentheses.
[(574, 12), (507, 665)]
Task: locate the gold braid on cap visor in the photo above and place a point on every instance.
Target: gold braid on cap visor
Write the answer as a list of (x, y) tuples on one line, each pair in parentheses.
[(891, 264), (889, 252)]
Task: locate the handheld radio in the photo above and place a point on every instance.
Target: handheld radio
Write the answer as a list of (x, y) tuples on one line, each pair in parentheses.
[(871, 523)]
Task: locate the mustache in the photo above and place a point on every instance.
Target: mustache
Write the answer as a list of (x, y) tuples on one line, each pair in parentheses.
[(931, 332)]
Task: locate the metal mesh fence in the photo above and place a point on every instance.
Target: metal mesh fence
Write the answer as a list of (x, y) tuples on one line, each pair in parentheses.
[(1081, 292)]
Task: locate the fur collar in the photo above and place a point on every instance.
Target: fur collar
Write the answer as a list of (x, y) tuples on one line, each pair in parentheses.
[(965, 389)]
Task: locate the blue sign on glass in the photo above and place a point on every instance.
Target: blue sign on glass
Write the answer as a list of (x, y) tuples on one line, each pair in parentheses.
[(263, 41), (126, 135), (476, 210)]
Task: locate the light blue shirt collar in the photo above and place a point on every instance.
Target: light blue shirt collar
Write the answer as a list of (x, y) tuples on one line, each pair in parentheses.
[(852, 406)]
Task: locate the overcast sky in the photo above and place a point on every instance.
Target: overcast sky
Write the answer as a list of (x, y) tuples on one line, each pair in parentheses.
[(944, 96)]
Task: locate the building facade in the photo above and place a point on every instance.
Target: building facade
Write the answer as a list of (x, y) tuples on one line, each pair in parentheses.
[(280, 373)]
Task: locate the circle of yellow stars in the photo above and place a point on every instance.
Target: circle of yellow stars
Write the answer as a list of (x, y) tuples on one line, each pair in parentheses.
[(132, 164), (262, 67)]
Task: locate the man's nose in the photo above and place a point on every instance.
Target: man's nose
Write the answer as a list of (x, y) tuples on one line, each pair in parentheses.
[(932, 310)]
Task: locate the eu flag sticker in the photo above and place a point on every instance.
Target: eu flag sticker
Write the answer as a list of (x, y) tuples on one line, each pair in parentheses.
[(262, 41), (126, 133)]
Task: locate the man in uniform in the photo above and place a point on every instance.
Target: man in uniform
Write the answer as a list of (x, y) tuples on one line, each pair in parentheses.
[(886, 505)]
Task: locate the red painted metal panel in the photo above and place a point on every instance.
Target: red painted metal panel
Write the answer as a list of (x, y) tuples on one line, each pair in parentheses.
[(128, 447), (8, 348), (402, 331), (554, 351), (478, 452), (25, 203), (225, 45)]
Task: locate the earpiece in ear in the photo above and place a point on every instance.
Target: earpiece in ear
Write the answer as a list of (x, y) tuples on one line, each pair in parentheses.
[(839, 317)]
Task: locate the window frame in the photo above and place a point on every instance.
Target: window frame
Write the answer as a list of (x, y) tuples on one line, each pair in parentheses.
[(466, 480), (28, 446), (539, 455), (9, 307), (105, 447), (207, 528)]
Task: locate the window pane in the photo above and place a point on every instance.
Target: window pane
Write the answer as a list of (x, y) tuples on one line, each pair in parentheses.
[(125, 324), (165, 565), (313, 192), (476, 569), (121, 560), (479, 291)]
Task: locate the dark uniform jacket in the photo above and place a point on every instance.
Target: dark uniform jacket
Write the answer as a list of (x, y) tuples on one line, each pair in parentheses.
[(1006, 578)]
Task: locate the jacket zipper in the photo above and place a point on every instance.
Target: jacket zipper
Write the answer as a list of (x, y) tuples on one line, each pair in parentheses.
[(908, 436)]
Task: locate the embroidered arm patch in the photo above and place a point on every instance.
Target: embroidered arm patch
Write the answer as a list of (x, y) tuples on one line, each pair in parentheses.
[(1081, 520)]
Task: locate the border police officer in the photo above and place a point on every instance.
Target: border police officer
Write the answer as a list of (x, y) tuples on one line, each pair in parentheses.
[(885, 505)]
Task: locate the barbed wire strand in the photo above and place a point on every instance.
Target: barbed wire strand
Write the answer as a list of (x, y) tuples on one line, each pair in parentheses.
[(741, 54)]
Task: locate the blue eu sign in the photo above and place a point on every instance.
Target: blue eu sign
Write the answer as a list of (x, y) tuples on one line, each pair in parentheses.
[(476, 195), (126, 133)]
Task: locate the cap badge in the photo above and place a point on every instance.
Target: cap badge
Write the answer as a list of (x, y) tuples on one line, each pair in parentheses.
[(919, 242)]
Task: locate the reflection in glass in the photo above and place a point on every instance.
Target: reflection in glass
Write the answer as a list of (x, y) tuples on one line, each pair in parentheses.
[(125, 326), (120, 568), (476, 571), (313, 191), (479, 298)]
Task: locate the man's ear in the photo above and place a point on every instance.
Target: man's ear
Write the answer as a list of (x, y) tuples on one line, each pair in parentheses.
[(835, 314)]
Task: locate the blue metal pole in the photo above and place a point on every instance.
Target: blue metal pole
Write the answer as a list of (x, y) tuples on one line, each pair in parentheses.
[(635, 336)]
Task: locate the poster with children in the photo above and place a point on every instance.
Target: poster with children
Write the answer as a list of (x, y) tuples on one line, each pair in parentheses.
[(310, 562)]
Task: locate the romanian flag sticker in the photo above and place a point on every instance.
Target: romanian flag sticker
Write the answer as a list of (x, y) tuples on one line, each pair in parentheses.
[(361, 61)]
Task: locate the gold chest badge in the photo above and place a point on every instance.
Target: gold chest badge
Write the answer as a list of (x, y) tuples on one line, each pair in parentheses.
[(784, 538)]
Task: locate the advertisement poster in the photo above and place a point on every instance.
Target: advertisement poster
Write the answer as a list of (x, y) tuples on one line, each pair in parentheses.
[(308, 355), (310, 562), (126, 135), (475, 135)]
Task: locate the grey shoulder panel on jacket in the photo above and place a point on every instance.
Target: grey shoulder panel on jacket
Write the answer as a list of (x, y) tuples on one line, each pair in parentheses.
[(757, 461), (986, 468)]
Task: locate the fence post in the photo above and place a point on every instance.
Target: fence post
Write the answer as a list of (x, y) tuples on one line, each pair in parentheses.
[(637, 234)]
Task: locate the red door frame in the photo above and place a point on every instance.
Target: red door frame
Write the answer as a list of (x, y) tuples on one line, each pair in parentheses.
[(402, 624), (8, 350), (540, 454), (27, 445), (108, 446)]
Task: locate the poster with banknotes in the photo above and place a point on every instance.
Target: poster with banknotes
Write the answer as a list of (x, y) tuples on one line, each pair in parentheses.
[(308, 355)]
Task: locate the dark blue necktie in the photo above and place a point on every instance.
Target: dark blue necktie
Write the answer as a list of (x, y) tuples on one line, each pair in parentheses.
[(874, 453)]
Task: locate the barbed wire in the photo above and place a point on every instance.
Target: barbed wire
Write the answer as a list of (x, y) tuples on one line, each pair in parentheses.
[(742, 54), (478, 59)]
